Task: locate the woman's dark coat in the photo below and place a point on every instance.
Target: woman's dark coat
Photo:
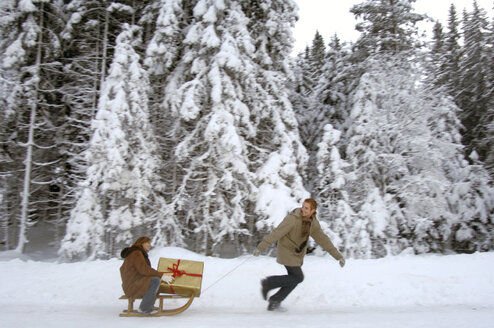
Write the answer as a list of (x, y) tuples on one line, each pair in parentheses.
[(136, 272)]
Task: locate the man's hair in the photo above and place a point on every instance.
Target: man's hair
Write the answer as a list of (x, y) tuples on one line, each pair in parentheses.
[(312, 203), (140, 241)]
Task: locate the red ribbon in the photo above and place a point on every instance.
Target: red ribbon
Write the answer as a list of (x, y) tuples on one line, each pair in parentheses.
[(178, 273)]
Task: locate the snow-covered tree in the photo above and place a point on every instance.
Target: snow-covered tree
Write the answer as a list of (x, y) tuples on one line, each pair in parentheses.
[(121, 178), (437, 71), (234, 128), (30, 113), (204, 95), (163, 52), (488, 142), (327, 103), (405, 150), (277, 151), (301, 88), (452, 53), (387, 26), (317, 54), (336, 216), (88, 39), (165, 46), (474, 95), (309, 68)]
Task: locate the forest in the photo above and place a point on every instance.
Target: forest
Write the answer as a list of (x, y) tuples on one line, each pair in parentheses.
[(191, 122)]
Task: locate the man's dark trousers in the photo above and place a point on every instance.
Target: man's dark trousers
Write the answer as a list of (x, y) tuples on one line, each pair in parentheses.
[(287, 282)]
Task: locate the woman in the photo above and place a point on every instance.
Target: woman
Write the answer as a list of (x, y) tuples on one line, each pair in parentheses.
[(139, 279)]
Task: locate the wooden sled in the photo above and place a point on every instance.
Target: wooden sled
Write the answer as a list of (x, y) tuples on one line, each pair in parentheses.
[(130, 312)]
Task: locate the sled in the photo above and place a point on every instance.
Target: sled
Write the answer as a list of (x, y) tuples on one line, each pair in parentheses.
[(130, 312), (187, 285)]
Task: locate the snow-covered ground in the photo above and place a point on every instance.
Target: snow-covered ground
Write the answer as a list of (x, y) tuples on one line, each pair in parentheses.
[(405, 291)]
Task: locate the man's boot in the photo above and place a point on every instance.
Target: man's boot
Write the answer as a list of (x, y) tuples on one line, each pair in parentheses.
[(273, 305)]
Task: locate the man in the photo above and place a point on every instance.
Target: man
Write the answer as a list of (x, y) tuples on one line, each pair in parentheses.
[(139, 279), (292, 235)]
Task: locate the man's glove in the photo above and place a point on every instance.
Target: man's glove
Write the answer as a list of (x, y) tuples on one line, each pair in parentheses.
[(167, 279), (256, 252), (342, 262)]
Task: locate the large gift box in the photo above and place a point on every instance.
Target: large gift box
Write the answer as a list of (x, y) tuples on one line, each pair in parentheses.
[(187, 274)]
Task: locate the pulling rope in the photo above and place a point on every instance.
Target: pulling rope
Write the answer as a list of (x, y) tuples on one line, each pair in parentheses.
[(229, 272)]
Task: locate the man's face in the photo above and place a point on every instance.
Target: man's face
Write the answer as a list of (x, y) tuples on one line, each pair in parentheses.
[(307, 211)]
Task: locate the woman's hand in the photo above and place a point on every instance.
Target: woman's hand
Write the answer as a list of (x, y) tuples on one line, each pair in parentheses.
[(167, 279)]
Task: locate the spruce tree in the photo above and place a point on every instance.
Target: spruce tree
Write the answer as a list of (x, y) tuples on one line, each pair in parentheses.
[(204, 95), (88, 41), (474, 93), (388, 26), (277, 154), (163, 53), (32, 116), (329, 100), (301, 93), (488, 142), (438, 72), (317, 56), (232, 123), (402, 152), (121, 179), (453, 53)]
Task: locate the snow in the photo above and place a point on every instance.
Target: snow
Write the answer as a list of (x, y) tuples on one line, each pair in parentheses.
[(402, 291), (27, 6)]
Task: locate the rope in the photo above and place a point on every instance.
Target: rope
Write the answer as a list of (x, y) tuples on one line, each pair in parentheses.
[(229, 272)]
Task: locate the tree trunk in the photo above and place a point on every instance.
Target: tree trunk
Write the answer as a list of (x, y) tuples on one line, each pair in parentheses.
[(105, 50), (29, 153)]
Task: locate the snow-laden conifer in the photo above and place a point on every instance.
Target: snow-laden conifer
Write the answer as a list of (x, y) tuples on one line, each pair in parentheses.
[(237, 149), (405, 151), (123, 159), (280, 157), (205, 96), (474, 94), (31, 120)]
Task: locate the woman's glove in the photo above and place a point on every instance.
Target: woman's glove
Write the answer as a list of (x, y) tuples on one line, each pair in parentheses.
[(167, 279), (342, 262)]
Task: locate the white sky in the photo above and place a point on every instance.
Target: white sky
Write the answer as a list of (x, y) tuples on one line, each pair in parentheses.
[(333, 16)]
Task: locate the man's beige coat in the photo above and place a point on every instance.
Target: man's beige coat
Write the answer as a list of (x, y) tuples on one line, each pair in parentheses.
[(289, 237)]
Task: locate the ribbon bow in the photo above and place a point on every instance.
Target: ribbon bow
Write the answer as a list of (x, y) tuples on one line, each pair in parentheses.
[(175, 271)]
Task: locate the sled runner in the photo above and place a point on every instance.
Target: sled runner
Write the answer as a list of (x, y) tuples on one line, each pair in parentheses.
[(131, 312), (187, 285)]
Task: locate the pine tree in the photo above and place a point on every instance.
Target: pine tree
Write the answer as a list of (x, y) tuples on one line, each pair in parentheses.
[(312, 65), (204, 95), (405, 151), (473, 97), (488, 142), (334, 212), (301, 93), (439, 62), (163, 53), (121, 179), (333, 87), (88, 42), (278, 155), (230, 117), (388, 26), (317, 56), (164, 48), (329, 100), (31, 115), (453, 53)]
